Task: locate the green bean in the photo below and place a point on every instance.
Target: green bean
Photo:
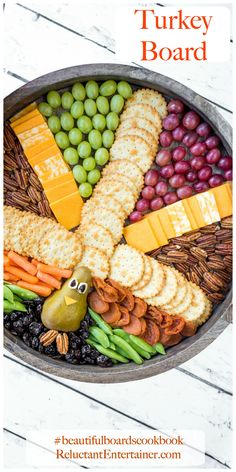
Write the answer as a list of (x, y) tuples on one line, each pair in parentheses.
[(112, 346), (107, 352), (141, 343), (100, 336), (140, 351), (7, 306), (122, 353), (7, 294), (22, 292), (160, 348), (121, 333), (17, 299), (100, 322), (130, 352)]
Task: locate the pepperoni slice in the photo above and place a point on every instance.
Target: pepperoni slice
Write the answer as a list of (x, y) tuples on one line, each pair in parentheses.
[(120, 290), (113, 315), (128, 301), (97, 304), (152, 333), (134, 326), (155, 314), (125, 317), (140, 307), (176, 326), (106, 292), (173, 340), (143, 325), (189, 329), (164, 338), (166, 320)]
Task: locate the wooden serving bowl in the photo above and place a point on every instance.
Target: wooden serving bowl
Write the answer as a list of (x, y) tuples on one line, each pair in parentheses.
[(221, 316)]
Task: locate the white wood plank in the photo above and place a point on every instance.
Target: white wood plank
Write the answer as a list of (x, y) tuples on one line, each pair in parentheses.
[(11, 83), (213, 81)]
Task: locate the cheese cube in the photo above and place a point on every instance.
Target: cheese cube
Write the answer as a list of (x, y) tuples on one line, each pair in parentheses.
[(68, 210), (141, 236)]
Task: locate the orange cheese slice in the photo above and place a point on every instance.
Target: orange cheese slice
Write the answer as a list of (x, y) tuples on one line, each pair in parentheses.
[(34, 149), (45, 154), (28, 125), (166, 223), (36, 139), (155, 223), (141, 236), (196, 211), (189, 214), (24, 112), (50, 183), (67, 210), (223, 198), (69, 300), (59, 191)]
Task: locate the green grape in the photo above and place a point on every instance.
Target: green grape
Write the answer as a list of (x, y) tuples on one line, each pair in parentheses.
[(108, 138), (54, 99), (108, 88), (45, 109), (95, 139), (101, 156), (103, 105), (89, 163), (99, 122), (85, 190), (67, 121), (124, 89), (71, 156), (117, 103), (77, 109), (54, 124), (94, 176), (84, 123), (84, 149), (112, 120), (79, 174), (92, 89), (62, 140), (90, 107), (67, 100), (75, 136), (78, 91)]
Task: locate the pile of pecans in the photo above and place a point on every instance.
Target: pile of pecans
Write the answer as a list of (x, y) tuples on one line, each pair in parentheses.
[(22, 188), (204, 256)]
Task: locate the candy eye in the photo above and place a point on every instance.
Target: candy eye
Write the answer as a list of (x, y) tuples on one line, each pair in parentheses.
[(82, 287), (73, 284)]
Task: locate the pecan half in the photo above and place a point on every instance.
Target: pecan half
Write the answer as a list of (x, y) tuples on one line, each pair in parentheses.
[(198, 252), (62, 342), (47, 338), (213, 281)]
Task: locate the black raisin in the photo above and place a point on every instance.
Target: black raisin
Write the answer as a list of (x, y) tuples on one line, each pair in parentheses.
[(50, 350), (35, 342), (104, 361), (18, 326), (35, 328), (83, 325), (27, 339), (86, 350), (14, 315)]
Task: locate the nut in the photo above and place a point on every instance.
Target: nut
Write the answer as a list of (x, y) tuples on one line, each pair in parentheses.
[(213, 281), (215, 297), (62, 342), (227, 222), (175, 256), (21, 177), (47, 338), (198, 252), (34, 194), (206, 240)]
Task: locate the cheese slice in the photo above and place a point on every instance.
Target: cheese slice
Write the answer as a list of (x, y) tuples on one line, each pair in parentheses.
[(223, 198), (190, 214), (50, 183), (25, 111), (59, 191), (38, 147), (196, 211), (28, 125), (36, 139), (69, 300), (141, 236), (179, 218), (166, 223), (54, 166), (208, 207), (157, 229), (45, 154), (68, 210)]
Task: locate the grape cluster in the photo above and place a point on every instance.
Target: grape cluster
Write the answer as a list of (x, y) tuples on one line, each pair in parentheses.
[(83, 121), (190, 161)]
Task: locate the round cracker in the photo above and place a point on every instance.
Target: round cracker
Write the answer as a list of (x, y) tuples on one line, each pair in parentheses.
[(168, 291), (125, 167), (121, 193), (134, 149), (155, 284), (123, 179), (108, 202), (143, 111), (207, 312), (148, 270), (96, 260), (141, 133), (60, 248), (186, 302), (95, 235), (197, 308), (149, 97), (180, 294), (138, 122), (126, 265), (106, 218)]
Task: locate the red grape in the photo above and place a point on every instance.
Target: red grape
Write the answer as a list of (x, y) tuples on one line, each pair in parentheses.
[(212, 142), (191, 176), (135, 216), (163, 157), (167, 171), (184, 192), (225, 163), (215, 180), (170, 198), (190, 138), (179, 132), (198, 149), (161, 188), (156, 203), (142, 205), (175, 106), (203, 130), (151, 177), (178, 153), (197, 162), (177, 181), (205, 173), (182, 167), (171, 122), (201, 187), (213, 156), (228, 174), (166, 138), (148, 192), (191, 120)]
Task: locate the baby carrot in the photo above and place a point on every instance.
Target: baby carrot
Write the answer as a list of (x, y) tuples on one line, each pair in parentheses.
[(39, 289), (6, 260), (48, 279), (22, 262), (10, 277), (34, 262), (21, 274), (63, 273)]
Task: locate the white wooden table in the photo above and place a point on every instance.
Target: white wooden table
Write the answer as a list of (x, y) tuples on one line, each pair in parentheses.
[(39, 38)]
